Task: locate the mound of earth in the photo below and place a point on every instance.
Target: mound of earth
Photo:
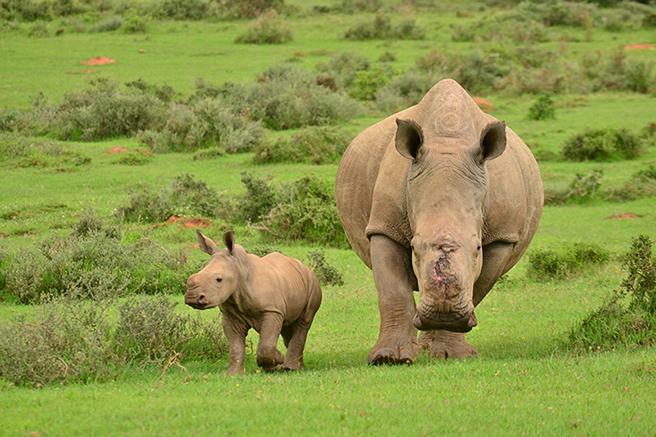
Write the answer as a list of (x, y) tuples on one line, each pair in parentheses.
[(627, 215), (99, 60)]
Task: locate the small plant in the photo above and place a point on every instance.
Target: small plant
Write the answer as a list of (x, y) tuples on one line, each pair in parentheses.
[(267, 29), (585, 187), (326, 273), (602, 145), (568, 260), (628, 316), (542, 109)]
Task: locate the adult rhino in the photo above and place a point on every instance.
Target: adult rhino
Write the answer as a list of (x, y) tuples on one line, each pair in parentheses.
[(440, 198)]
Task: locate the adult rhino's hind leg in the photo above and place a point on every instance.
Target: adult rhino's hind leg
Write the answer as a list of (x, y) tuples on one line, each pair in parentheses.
[(392, 269)]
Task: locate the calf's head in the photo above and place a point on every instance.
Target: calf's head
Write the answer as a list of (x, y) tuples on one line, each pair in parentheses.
[(215, 283), (446, 192)]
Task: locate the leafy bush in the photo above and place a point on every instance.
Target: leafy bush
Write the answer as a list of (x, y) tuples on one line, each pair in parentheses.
[(618, 73), (341, 69), (303, 210), (542, 109), (568, 260), (404, 91), (107, 25), (95, 265), (628, 316), (381, 28), (22, 152), (315, 144), (181, 9), (367, 82), (184, 196), (326, 273), (78, 342), (267, 29), (602, 145)]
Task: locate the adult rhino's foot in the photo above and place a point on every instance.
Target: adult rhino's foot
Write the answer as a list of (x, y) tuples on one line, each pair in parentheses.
[(390, 353), (269, 362), (448, 344)]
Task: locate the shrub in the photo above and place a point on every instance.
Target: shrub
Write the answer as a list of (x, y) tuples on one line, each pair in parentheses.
[(267, 29), (78, 342), (95, 265), (181, 9), (184, 196), (249, 8), (107, 25), (342, 68), (404, 91), (618, 73), (259, 200), (568, 260), (602, 145), (367, 82), (22, 152), (381, 28), (326, 273), (542, 109), (628, 316), (315, 144)]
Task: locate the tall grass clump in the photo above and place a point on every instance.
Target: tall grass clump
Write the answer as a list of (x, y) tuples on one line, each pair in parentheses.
[(185, 196), (628, 316), (603, 144), (266, 29), (64, 341), (314, 144), (381, 28), (565, 261)]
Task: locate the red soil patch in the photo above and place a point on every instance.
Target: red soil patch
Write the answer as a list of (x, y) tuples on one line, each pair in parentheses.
[(484, 104), (100, 60), (640, 47), (627, 215), (188, 222), (117, 150)]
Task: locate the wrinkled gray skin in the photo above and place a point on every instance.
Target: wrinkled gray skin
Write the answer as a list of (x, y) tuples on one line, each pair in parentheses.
[(440, 198), (274, 295)]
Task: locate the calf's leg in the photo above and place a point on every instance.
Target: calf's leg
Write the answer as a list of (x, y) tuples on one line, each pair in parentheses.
[(235, 331), (268, 355)]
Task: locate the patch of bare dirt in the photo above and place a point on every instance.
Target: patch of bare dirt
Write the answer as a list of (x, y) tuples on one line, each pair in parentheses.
[(484, 104), (640, 47), (99, 60), (189, 222), (624, 216), (117, 150)]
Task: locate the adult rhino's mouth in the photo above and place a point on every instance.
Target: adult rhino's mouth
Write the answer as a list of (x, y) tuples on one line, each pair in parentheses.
[(448, 322)]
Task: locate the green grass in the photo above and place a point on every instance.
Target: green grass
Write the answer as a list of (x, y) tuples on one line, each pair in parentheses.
[(523, 383)]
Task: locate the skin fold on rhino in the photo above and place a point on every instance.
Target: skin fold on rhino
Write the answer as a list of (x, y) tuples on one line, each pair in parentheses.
[(275, 295), (443, 199)]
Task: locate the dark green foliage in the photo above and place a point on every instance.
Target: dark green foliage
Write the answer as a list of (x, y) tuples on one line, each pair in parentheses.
[(326, 273), (181, 9), (381, 28), (267, 29), (78, 342), (341, 70), (303, 210), (602, 145), (628, 316), (185, 196), (566, 261), (403, 91), (367, 82), (315, 144), (542, 109)]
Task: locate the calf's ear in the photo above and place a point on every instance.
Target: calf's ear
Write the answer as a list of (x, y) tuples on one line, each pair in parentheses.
[(229, 240), (409, 138), (206, 245), (493, 140)]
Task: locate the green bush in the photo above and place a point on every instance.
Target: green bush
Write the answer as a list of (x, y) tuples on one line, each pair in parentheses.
[(607, 144), (66, 342), (381, 28), (367, 82), (315, 144), (259, 200), (542, 108), (107, 25), (568, 260), (404, 91), (183, 197), (267, 29), (618, 73), (628, 316), (24, 151), (341, 69), (326, 273), (181, 9), (95, 265)]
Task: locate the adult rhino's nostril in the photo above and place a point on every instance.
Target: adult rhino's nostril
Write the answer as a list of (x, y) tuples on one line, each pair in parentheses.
[(202, 300)]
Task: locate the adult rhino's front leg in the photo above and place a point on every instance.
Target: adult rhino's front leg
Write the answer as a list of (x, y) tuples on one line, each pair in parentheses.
[(392, 267)]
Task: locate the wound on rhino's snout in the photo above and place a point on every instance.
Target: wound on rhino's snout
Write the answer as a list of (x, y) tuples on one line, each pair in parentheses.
[(445, 283)]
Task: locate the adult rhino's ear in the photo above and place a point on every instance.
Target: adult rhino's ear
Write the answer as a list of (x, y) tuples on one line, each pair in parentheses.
[(206, 245), (409, 138), (229, 240), (493, 140)]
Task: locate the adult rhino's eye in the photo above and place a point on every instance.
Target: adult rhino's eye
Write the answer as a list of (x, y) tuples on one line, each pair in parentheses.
[(219, 280)]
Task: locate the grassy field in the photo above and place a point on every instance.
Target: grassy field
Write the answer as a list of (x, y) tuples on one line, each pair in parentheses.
[(525, 381)]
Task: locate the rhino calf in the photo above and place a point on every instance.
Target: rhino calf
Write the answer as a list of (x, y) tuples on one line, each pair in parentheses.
[(274, 295)]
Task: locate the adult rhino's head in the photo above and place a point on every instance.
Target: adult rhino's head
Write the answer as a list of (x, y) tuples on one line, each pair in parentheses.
[(215, 283), (446, 194)]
